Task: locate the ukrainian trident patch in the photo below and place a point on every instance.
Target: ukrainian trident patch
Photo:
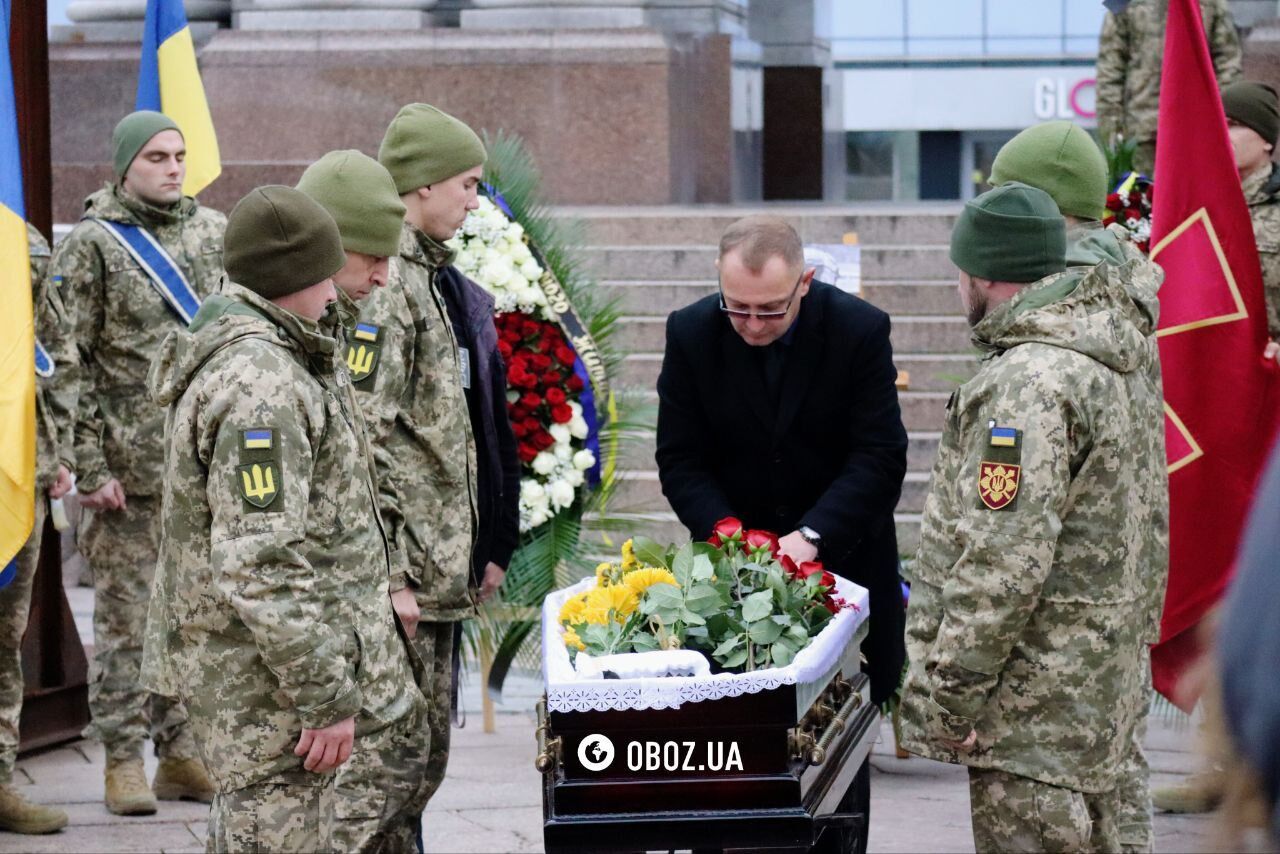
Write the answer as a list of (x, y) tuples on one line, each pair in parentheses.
[(998, 484), (362, 352), (258, 476)]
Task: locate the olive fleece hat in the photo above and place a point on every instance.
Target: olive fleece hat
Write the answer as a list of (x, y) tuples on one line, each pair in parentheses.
[(280, 241), (1060, 158), (134, 131), (361, 197), (1254, 106), (424, 145), (1013, 233)]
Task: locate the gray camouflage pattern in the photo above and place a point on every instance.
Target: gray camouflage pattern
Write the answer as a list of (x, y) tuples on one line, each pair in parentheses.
[(420, 430), (289, 813), (1260, 192), (1016, 814), (1130, 53), (1022, 620), (270, 617), (434, 645)]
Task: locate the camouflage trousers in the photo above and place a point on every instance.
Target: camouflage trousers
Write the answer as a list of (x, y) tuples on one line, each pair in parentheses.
[(15, 604), (1133, 784), (434, 645), (122, 547), (1012, 813), (289, 812), (382, 789)]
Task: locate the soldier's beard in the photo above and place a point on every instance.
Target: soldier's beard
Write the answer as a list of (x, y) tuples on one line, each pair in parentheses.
[(976, 304)]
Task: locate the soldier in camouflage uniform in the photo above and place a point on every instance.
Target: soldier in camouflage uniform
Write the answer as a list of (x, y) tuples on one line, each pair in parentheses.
[(1253, 119), (414, 401), (1062, 159), (120, 316), (1130, 53), (55, 416), (271, 616), (1025, 652), (389, 770)]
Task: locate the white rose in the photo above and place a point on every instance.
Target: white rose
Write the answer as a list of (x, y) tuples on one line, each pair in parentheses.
[(562, 494), (529, 269), (583, 460), (538, 517), (574, 478), (560, 433), (505, 301), (576, 407), (530, 490), (495, 275), (544, 463), (578, 428), (564, 453), (515, 231), (520, 252)]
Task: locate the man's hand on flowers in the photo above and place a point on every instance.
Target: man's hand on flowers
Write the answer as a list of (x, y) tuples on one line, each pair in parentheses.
[(798, 548)]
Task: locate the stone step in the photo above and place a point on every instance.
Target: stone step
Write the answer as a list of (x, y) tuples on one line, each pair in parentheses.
[(696, 262), (815, 224), (899, 298), (916, 334), (636, 451), (926, 372)]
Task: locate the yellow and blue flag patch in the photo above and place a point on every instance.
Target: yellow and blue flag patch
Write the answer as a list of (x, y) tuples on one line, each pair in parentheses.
[(257, 440), (366, 332), (1004, 437)]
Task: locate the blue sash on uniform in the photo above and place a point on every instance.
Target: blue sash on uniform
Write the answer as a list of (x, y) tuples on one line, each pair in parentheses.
[(166, 276), (44, 364)]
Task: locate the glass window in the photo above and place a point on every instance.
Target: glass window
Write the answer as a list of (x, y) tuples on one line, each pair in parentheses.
[(861, 48), (1015, 46), (971, 46), (867, 19), (1087, 45), (1085, 19), (869, 158), (1020, 18), (939, 18)]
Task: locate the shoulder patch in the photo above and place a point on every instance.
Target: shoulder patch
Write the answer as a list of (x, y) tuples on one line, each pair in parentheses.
[(1000, 471), (362, 353), (259, 477)]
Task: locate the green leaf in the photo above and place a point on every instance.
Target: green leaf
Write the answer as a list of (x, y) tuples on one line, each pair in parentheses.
[(781, 619), (696, 632), (734, 659), (703, 597), (692, 618), (644, 642), (682, 565), (663, 596), (782, 653), (765, 631), (728, 646), (649, 552), (757, 606), (702, 568), (798, 633)]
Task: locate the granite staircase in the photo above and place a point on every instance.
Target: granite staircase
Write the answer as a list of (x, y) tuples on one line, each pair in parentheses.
[(655, 260)]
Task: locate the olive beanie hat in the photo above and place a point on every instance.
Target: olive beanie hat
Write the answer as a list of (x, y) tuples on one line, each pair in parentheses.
[(424, 145), (361, 197), (1013, 233), (1254, 106), (280, 241), (1060, 158), (134, 131)]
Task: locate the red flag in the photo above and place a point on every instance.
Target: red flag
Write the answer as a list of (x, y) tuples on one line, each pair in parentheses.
[(1220, 411)]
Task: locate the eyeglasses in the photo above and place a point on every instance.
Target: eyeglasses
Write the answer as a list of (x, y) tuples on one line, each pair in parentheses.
[(747, 313)]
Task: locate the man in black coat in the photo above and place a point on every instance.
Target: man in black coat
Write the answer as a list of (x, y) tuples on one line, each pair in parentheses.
[(778, 405)]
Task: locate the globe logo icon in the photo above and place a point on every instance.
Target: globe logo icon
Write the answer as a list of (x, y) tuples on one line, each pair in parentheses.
[(595, 752)]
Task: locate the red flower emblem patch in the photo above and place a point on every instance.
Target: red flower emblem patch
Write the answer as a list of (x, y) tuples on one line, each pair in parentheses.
[(998, 484)]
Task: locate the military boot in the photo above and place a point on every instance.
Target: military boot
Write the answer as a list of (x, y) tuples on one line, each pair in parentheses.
[(127, 792), (182, 779), (1201, 792), (19, 815)]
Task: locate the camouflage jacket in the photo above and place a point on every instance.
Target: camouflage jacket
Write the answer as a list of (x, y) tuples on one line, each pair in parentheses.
[(1262, 192), (119, 320), (1111, 251), (1130, 52), (408, 372), (270, 609), (1028, 604), (56, 394)]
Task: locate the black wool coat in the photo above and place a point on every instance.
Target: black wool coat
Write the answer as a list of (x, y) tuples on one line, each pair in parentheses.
[(831, 454)]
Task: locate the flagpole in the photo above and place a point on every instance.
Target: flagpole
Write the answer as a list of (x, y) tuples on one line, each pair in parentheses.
[(55, 703)]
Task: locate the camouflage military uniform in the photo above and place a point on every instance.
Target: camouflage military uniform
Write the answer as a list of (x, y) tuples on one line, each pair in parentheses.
[(55, 403), (1130, 52), (271, 610), (119, 319), (1091, 245), (425, 456), (1033, 562), (1262, 192)]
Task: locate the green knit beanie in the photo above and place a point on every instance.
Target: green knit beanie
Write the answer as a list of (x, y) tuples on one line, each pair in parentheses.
[(134, 131), (279, 241), (1013, 233), (361, 197), (1254, 106), (424, 145), (1060, 158)]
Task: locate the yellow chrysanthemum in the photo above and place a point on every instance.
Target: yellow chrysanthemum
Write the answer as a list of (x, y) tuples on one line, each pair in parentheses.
[(603, 571), (642, 579), (571, 611), (572, 640), (617, 599), (629, 561)]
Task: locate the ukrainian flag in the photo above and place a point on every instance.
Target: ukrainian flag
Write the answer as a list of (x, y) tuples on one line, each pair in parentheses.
[(169, 83), (17, 334)]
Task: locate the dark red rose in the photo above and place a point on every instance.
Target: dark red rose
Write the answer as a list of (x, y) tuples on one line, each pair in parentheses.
[(529, 400), (726, 530), (811, 567), (1108, 219), (547, 344), (526, 452), (1144, 246), (832, 604), (1135, 198), (556, 396), (1113, 202), (561, 414), (828, 580), (517, 412), (566, 356), (504, 348), (789, 565), (529, 328), (551, 379), (542, 440), (755, 540), (574, 383), (540, 361), (532, 425), (526, 380), (1132, 213), (518, 429)]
